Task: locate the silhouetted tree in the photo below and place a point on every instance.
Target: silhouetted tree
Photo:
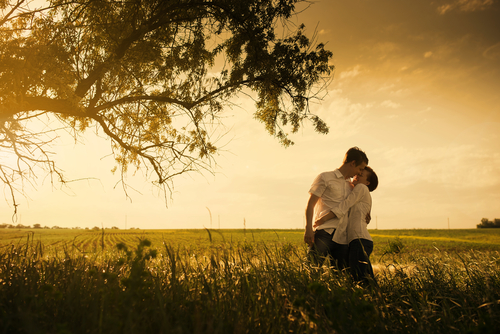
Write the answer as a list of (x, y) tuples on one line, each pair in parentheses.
[(153, 76), (485, 223)]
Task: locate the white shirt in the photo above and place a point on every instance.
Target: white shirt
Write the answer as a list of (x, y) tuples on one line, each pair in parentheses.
[(332, 188), (360, 203)]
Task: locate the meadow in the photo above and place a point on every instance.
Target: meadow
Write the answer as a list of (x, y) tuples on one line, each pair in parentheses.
[(244, 281)]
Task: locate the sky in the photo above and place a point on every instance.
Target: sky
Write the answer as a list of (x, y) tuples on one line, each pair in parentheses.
[(416, 87)]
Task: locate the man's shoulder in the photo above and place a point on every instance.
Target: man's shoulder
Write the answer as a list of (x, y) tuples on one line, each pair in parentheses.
[(333, 174)]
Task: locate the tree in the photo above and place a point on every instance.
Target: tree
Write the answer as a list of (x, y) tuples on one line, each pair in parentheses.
[(485, 223), (153, 76)]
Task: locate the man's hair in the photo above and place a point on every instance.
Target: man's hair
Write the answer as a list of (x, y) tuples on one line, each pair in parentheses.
[(355, 154), (372, 178)]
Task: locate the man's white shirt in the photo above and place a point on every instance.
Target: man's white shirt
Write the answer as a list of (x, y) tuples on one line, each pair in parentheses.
[(331, 188)]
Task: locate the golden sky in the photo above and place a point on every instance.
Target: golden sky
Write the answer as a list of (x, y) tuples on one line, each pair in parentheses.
[(416, 87)]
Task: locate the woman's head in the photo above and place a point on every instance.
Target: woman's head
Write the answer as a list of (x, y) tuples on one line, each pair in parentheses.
[(372, 178), (367, 177)]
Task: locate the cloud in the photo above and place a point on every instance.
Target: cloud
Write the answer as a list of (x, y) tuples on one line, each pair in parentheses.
[(424, 111), (493, 52), (445, 8), (428, 54), (386, 87), (468, 163), (342, 115), (390, 104), (351, 73), (385, 47), (465, 6)]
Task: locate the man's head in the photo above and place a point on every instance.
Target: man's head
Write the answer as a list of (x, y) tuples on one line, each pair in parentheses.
[(355, 161)]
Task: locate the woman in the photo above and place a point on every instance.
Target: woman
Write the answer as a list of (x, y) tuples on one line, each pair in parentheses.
[(357, 205)]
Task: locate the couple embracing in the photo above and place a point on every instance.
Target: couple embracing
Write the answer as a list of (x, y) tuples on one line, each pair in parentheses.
[(338, 213)]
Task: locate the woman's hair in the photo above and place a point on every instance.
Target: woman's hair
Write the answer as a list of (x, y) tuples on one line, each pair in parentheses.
[(355, 154), (372, 178)]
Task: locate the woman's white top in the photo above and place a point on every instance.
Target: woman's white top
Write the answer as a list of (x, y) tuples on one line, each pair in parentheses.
[(357, 205)]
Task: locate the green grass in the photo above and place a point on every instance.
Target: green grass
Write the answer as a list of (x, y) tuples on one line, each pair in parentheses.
[(235, 281), (485, 239), (416, 241)]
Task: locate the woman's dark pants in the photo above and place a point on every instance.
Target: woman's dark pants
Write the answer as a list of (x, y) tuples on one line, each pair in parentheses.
[(359, 260)]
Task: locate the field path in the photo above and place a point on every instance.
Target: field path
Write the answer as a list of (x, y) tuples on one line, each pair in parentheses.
[(474, 241)]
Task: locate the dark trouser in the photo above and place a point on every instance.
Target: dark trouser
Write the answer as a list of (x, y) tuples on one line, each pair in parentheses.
[(359, 260), (325, 247)]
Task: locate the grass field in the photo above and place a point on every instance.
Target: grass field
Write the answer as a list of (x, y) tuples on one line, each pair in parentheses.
[(415, 241), (244, 281)]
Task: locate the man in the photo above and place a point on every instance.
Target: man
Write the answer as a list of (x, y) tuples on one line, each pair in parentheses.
[(327, 191)]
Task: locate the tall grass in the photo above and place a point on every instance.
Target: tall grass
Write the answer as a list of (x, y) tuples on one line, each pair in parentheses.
[(244, 287)]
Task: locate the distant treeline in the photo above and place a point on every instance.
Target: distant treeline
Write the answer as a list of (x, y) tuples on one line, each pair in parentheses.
[(485, 223), (38, 226)]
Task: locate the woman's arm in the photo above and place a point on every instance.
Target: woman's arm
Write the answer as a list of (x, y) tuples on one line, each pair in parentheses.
[(354, 197), (323, 219), (343, 207)]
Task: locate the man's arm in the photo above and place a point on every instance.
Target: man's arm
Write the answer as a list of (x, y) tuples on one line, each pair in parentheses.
[(323, 219), (309, 233)]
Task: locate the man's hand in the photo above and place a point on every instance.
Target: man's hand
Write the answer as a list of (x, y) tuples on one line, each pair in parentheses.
[(368, 218), (309, 233), (309, 236)]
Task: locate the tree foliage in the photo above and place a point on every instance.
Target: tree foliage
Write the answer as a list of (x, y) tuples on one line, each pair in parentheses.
[(485, 223), (153, 76)]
